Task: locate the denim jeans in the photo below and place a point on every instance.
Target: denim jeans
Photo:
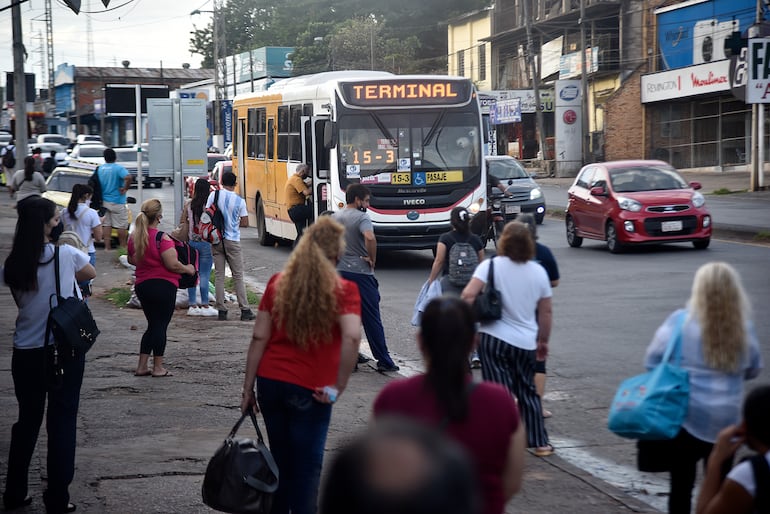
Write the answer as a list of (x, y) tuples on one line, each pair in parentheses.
[(296, 428), (205, 260), (30, 385), (368, 288)]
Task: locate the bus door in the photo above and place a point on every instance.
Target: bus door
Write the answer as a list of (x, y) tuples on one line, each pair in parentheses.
[(239, 153), (315, 155)]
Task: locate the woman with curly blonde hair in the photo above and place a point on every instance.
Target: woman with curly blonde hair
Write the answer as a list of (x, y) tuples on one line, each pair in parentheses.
[(719, 349), (303, 348)]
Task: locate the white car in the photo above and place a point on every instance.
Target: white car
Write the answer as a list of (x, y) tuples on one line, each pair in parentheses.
[(89, 138), (89, 152)]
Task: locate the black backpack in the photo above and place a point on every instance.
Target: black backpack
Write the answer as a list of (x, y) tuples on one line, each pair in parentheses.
[(97, 202), (463, 260), (762, 483), (9, 161)]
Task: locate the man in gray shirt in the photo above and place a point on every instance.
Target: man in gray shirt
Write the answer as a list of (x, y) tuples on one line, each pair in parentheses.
[(357, 264)]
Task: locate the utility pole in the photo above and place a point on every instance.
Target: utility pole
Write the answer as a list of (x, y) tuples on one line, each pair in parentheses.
[(757, 132), (19, 85), (584, 84), (534, 71)]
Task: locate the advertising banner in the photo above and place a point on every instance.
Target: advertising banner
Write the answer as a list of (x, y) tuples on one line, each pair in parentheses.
[(569, 128), (692, 80)]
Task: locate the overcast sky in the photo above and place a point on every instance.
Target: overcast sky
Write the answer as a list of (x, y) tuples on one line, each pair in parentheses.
[(144, 32)]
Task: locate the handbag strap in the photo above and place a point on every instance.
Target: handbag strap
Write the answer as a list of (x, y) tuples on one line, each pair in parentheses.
[(491, 275), (673, 347), (254, 482)]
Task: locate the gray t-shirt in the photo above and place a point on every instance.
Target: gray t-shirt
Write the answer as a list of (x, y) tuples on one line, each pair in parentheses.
[(356, 223)]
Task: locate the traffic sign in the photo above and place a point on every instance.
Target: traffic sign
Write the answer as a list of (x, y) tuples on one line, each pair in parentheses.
[(758, 84)]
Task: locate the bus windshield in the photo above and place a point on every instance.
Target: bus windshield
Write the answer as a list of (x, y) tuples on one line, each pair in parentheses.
[(400, 148)]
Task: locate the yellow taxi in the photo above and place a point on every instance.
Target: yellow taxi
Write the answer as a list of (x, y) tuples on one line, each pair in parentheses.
[(59, 185)]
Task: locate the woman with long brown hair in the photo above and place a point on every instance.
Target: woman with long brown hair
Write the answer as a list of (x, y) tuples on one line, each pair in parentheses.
[(719, 349), (192, 212), (157, 279), (27, 182), (303, 348)]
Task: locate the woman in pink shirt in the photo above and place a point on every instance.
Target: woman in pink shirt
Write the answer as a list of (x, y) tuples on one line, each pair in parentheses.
[(157, 279)]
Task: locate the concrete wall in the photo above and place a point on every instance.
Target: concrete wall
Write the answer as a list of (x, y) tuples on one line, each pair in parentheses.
[(465, 34)]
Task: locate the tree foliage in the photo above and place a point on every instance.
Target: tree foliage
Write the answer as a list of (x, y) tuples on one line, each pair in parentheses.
[(403, 36)]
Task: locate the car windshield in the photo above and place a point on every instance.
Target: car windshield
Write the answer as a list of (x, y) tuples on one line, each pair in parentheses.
[(65, 181), (645, 178), (504, 169)]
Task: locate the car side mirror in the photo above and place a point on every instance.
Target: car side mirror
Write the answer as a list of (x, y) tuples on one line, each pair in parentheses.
[(130, 199), (598, 191), (695, 185)]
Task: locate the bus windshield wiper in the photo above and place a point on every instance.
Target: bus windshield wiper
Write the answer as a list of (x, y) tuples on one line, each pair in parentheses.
[(382, 127), (433, 129)]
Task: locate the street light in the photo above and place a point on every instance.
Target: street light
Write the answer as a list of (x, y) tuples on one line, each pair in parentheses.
[(220, 66)]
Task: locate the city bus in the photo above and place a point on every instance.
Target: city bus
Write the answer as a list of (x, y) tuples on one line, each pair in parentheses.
[(414, 140)]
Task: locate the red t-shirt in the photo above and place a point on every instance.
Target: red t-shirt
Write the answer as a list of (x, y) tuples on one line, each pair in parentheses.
[(316, 366), (493, 417), (151, 266)]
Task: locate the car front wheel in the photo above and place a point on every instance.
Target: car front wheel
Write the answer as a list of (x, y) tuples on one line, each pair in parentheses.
[(612, 238), (573, 239)]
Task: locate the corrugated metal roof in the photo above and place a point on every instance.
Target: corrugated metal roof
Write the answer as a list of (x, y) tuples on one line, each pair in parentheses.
[(121, 73)]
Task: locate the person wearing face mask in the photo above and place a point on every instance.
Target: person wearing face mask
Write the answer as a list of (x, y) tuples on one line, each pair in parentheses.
[(296, 195), (29, 272), (84, 221), (357, 265)]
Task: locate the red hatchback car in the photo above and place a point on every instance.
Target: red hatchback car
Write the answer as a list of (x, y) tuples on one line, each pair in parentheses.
[(635, 202)]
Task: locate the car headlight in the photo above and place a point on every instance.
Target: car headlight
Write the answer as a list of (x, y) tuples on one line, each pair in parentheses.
[(698, 200), (629, 204), (535, 194), (496, 204)]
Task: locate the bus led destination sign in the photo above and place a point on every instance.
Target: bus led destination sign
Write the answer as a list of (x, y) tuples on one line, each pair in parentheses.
[(405, 92)]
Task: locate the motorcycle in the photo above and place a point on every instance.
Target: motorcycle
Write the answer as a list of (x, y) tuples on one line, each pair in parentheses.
[(501, 208)]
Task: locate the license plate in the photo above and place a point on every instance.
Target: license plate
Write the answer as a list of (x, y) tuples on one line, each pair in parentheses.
[(439, 177), (512, 209), (671, 226)]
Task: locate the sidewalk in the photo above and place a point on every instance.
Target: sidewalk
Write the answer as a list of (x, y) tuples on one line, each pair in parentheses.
[(143, 443)]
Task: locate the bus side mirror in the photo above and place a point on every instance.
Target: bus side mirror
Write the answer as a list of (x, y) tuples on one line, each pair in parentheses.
[(330, 139)]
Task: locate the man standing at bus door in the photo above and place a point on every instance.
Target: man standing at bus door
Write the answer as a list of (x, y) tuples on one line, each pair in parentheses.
[(296, 195), (233, 209), (357, 264)]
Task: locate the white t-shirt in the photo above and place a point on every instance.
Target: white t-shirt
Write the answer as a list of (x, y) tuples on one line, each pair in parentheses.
[(521, 287), (743, 474), (84, 222), (34, 305)]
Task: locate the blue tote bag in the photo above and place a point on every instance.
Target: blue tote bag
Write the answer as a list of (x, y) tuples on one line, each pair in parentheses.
[(653, 406)]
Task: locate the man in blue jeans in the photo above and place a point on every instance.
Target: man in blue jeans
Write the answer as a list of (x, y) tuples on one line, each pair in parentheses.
[(357, 265)]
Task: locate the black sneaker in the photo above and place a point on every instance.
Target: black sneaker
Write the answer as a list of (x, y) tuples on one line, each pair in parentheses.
[(247, 315), (222, 315), (363, 359), (384, 368)]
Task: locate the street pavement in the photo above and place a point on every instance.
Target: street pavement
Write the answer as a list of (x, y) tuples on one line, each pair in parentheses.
[(143, 443)]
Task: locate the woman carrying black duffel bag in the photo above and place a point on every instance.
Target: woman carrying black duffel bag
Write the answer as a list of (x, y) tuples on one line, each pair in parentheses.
[(29, 272)]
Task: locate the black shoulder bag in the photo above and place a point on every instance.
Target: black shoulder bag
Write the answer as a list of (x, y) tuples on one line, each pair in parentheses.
[(242, 476), (488, 305), (70, 320)]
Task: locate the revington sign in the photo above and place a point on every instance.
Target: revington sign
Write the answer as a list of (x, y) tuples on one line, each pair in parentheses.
[(689, 81)]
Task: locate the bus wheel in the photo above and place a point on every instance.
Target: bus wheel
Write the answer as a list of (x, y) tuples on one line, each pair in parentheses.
[(265, 239)]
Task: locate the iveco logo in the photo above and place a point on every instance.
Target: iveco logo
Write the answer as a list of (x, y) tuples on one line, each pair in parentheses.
[(412, 215), (414, 201)]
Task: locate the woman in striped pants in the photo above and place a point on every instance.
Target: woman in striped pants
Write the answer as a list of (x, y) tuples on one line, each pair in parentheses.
[(510, 346)]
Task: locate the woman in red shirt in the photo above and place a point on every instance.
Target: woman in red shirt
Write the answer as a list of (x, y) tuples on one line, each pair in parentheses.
[(303, 349), (482, 417), (157, 279)]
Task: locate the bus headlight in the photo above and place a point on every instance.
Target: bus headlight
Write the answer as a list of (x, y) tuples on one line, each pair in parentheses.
[(474, 208)]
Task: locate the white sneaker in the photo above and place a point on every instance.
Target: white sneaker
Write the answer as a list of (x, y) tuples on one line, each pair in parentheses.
[(209, 311), (194, 311)]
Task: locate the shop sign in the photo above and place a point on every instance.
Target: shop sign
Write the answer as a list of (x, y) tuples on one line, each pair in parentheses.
[(506, 111), (693, 80)]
